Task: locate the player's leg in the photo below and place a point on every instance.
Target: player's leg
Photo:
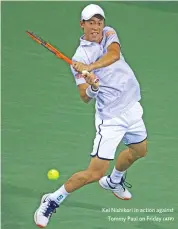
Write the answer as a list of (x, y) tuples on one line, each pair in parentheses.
[(105, 144), (135, 139), (93, 173), (128, 156), (51, 201)]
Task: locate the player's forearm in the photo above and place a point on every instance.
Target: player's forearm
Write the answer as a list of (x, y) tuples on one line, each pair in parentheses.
[(106, 60), (90, 89), (86, 99), (89, 94), (83, 95)]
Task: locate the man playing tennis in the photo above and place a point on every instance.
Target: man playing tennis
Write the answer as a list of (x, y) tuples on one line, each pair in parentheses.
[(118, 112)]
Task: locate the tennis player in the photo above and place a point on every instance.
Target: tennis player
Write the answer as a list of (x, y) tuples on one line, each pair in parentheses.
[(118, 112)]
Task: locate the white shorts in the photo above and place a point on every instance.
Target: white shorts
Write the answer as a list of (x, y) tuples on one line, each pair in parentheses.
[(128, 127)]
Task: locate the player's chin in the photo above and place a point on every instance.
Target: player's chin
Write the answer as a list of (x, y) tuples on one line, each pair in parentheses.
[(95, 39)]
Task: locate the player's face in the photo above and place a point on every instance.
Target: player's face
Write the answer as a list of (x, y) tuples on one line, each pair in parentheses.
[(93, 29)]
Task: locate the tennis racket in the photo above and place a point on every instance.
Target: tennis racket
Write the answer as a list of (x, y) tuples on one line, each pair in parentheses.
[(50, 47)]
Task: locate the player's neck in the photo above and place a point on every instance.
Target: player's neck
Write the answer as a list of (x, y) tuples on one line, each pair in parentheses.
[(85, 38)]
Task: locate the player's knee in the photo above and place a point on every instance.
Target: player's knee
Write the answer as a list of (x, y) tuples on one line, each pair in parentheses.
[(142, 152), (139, 150), (135, 155)]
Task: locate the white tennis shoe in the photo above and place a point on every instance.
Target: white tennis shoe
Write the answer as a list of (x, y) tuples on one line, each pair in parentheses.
[(119, 190), (44, 212)]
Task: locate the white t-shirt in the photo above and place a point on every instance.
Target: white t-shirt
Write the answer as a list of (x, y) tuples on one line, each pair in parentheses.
[(119, 88)]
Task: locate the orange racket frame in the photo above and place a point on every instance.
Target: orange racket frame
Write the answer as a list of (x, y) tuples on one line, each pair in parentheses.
[(50, 47)]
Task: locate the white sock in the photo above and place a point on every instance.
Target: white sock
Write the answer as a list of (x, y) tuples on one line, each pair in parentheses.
[(115, 176), (59, 195)]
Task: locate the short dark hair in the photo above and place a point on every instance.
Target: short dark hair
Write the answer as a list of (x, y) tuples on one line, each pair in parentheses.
[(97, 16)]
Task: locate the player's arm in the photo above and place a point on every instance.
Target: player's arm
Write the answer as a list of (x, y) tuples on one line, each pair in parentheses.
[(87, 83), (112, 45), (82, 91), (112, 55), (88, 90)]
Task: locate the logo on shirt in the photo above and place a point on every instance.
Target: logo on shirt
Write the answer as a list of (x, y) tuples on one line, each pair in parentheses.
[(78, 76), (110, 33)]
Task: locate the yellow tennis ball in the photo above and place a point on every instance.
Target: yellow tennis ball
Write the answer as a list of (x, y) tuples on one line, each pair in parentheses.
[(53, 174)]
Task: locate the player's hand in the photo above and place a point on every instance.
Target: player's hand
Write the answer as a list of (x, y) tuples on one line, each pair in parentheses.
[(91, 79), (79, 67)]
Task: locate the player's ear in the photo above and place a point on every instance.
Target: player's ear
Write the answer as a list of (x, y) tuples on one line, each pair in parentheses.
[(82, 24)]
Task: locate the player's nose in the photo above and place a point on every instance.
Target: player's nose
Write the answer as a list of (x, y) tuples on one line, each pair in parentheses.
[(95, 30), (95, 27)]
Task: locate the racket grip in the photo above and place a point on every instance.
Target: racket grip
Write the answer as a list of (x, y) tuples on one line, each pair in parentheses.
[(86, 72)]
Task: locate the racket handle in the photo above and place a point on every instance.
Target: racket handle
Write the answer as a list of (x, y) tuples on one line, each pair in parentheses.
[(85, 72)]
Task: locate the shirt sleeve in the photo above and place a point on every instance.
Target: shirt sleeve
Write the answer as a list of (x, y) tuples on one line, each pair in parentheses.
[(79, 79), (111, 36), (77, 76)]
